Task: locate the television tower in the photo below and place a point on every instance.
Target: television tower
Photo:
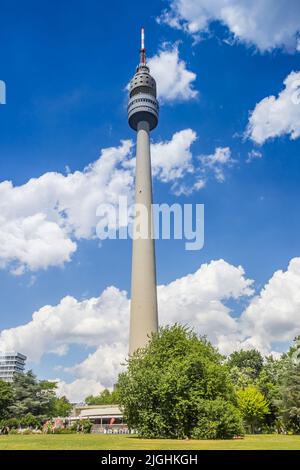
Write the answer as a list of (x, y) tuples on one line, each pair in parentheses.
[(143, 117)]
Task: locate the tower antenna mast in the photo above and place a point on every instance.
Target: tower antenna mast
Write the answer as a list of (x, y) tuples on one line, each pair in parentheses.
[(143, 50)]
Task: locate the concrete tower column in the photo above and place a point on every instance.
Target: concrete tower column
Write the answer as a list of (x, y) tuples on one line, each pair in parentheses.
[(143, 112), (143, 313)]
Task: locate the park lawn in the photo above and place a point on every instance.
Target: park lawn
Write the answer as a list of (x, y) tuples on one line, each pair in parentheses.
[(118, 442)]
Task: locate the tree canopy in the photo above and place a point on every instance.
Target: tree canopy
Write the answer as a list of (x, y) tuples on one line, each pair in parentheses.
[(174, 380), (250, 362), (29, 401), (6, 398), (253, 405), (106, 397)]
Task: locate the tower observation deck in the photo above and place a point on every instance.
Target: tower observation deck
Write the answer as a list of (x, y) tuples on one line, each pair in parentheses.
[(143, 111)]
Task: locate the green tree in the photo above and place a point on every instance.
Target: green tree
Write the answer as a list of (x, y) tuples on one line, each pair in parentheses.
[(32, 396), (253, 406), (268, 383), (250, 362), (6, 398), (104, 398), (165, 382), (241, 378), (289, 401), (61, 407), (217, 419), (30, 421)]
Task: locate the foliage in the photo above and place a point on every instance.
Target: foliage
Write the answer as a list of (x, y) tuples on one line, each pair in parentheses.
[(12, 423), (218, 419), (6, 398), (86, 426), (161, 389), (104, 398), (289, 402), (241, 378), (61, 407), (250, 362), (268, 383), (32, 396), (13, 431), (253, 405), (30, 421)]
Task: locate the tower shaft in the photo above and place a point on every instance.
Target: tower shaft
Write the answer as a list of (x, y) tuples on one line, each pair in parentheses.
[(143, 313), (143, 113)]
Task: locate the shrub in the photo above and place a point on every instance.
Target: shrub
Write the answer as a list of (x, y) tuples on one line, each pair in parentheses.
[(13, 431), (12, 423), (30, 420), (86, 426), (218, 419)]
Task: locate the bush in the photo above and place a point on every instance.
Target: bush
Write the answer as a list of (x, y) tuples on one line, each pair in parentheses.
[(218, 419), (86, 426), (12, 423), (30, 420), (13, 431)]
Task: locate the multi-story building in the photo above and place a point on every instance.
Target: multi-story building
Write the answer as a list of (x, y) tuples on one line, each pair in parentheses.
[(10, 363)]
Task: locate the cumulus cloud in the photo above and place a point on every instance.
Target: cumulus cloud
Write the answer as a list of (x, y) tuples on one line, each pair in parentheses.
[(42, 220), (275, 116), (263, 23), (273, 316), (173, 159), (79, 389), (177, 83), (173, 162), (198, 299), (87, 322), (217, 162)]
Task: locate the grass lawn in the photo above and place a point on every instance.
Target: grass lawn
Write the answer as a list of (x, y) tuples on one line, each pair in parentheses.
[(111, 442)]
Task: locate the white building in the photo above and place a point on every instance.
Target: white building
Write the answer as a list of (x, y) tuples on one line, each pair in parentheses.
[(105, 418), (10, 363)]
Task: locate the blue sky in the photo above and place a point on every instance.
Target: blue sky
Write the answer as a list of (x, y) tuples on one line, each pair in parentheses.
[(66, 68)]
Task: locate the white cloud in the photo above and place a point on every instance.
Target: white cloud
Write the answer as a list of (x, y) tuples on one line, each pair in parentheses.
[(173, 159), (274, 117), (40, 220), (54, 328), (79, 389), (106, 362), (174, 81), (173, 162), (273, 316), (253, 155), (263, 23), (198, 299), (217, 162)]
